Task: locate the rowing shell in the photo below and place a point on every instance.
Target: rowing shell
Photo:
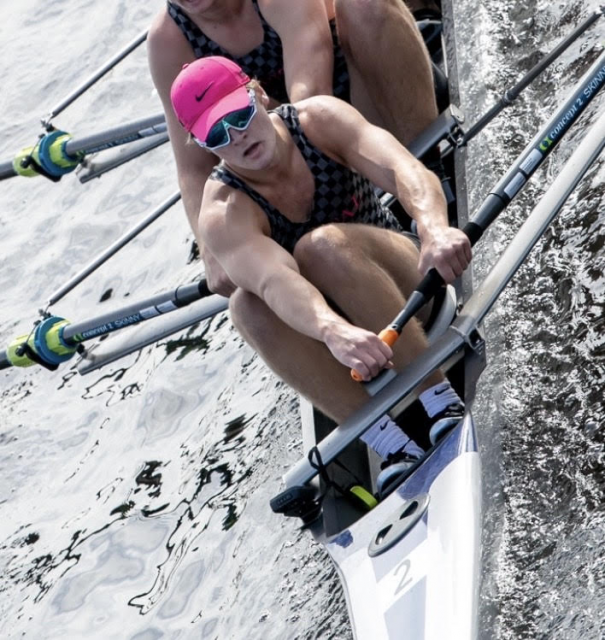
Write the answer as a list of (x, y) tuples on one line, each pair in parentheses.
[(410, 567)]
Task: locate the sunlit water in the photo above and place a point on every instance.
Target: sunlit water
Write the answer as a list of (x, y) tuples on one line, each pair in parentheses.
[(541, 398), (134, 500)]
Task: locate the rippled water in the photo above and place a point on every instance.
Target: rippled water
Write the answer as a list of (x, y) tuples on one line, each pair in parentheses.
[(541, 397), (135, 500)]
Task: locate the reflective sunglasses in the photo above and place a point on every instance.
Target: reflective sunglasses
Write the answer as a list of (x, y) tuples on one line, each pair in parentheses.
[(218, 136)]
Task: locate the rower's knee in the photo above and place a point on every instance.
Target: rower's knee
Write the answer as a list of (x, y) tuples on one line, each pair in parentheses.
[(323, 253), (354, 18)]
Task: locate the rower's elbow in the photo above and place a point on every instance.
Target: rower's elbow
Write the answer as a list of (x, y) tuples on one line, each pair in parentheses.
[(266, 286)]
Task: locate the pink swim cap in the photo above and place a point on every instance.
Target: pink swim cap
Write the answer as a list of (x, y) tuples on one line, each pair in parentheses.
[(205, 91)]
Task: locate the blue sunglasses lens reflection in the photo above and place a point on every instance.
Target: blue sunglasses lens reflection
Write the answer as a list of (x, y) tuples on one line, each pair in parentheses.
[(218, 136)]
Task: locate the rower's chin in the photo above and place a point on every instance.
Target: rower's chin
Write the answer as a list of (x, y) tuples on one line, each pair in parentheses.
[(256, 156)]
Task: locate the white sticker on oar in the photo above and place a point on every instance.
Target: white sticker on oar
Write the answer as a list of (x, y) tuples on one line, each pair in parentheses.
[(513, 187), (149, 312), (165, 307), (532, 161)]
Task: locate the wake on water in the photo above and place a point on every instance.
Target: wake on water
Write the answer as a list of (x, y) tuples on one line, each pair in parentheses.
[(135, 500)]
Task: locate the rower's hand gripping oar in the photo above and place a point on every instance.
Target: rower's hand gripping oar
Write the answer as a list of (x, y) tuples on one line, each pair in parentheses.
[(426, 290), (509, 186)]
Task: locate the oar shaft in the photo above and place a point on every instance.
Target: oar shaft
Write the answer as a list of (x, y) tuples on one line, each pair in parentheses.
[(4, 361), (510, 95), (113, 249), (517, 176), (111, 159), (97, 75), (122, 134), (163, 303), (7, 170), (144, 335)]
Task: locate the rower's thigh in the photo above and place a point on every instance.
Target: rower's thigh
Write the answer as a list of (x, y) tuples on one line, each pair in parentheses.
[(343, 249)]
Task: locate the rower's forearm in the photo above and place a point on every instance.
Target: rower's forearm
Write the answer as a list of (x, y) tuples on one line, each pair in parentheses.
[(422, 196), (299, 304)]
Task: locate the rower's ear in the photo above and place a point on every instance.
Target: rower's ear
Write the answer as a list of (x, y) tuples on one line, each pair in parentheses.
[(263, 97), (261, 94)]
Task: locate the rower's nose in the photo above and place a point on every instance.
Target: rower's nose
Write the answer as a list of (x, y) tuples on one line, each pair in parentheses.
[(237, 136)]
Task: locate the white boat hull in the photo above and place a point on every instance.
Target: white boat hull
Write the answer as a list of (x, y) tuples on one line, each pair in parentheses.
[(425, 587)]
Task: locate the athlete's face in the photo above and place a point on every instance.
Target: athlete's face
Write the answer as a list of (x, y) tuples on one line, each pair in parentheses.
[(254, 147)]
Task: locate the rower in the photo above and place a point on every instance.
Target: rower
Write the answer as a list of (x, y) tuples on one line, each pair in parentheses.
[(370, 53), (290, 218)]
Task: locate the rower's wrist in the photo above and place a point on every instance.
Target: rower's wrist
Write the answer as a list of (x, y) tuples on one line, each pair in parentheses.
[(328, 327), (428, 230)]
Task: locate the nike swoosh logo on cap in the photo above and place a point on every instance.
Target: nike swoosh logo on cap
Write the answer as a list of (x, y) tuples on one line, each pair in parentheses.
[(201, 96)]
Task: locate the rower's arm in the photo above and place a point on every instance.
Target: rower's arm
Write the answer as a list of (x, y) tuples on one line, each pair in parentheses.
[(340, 130), (304, 30), (237, 235), (167, 51)]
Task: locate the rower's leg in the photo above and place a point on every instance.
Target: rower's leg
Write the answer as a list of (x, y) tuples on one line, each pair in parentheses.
[(364, 270), (389, 67), (368, 273), (303, 363)]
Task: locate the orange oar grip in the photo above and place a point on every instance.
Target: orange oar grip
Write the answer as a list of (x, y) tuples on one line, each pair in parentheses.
[(388, 336)]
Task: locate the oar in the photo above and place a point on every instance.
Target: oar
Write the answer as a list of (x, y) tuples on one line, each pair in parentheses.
[(55, 339), (113, 158), (113, 249), (77, 148), (97, 75), (139, 337), (510, 95), (461, 337), (509, 186), (121, 134)]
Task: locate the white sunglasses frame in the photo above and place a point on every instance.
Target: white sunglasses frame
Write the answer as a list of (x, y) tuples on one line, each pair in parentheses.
[(227, 126)]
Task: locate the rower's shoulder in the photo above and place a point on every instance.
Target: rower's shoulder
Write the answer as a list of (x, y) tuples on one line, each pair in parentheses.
[(321, 107), (220, 199), (323, 113), (227, 212), (162, 29)]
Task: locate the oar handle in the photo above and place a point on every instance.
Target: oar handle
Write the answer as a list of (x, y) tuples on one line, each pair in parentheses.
[(427, 289), (388, 336), (432, 282)]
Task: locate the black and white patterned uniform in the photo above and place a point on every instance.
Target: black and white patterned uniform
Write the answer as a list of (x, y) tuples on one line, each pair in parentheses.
[(265, 63), (341, 195)]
